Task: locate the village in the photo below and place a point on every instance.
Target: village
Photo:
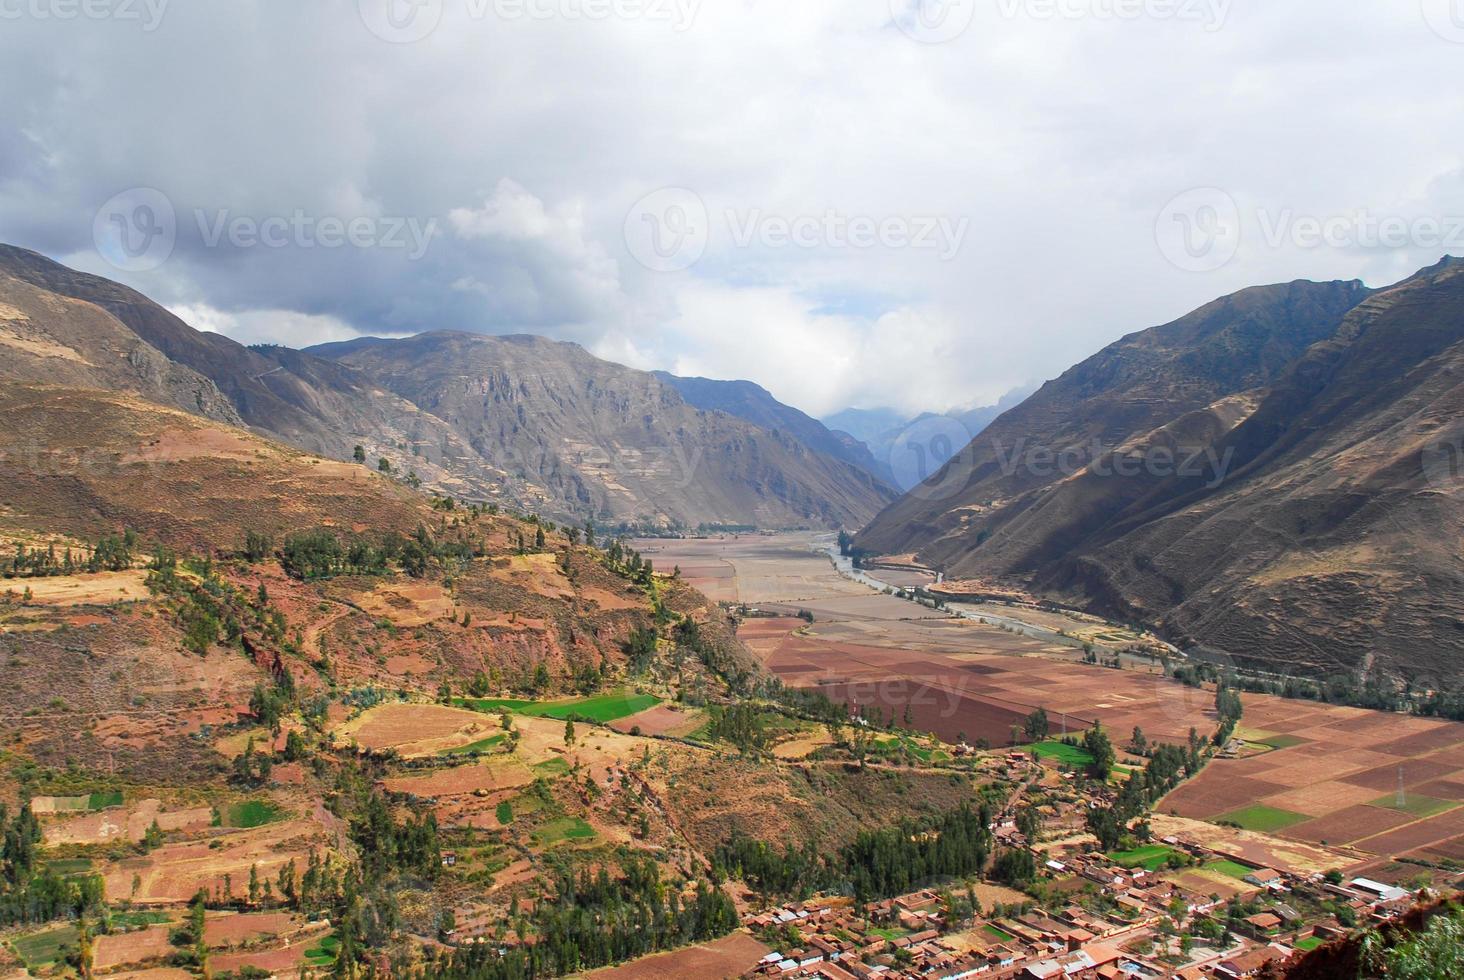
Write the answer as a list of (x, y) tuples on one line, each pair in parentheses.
[(1152, 929)]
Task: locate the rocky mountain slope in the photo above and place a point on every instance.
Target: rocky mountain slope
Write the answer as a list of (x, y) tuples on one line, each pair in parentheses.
[(754, 403), (597, 438), (62, 326), (1272, 477)]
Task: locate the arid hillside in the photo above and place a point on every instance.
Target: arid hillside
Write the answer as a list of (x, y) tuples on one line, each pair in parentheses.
[(597, 438), (1272, 478), (533, 425)]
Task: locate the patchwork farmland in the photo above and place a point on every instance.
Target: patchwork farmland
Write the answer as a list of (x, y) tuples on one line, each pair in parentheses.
[(1318, 775)]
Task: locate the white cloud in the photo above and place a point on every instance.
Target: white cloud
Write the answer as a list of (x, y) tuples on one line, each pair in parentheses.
[(1059, 139)]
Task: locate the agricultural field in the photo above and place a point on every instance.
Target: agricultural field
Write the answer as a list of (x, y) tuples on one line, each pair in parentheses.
[(729, 956), (1150, 857), (1331, 775), (1312, 774), (959, 677), (601, 708)]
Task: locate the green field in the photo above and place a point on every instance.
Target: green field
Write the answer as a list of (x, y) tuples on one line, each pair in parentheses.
[(565, 828), (1282, 741), (600, 708), (1265, 819), (69, 866), (1150, 857), (1309, 943), (1415, 805), (323, 953), (100, 801), (890, 933), (482, 745), (504, 812), (997, 933), (251, 813), (1231, 869), (41, 949), (552, 767), (1071, 755)]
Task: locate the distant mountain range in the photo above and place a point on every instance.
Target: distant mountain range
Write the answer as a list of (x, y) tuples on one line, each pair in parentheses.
[(1274, 477), (885, 433), (531, 423)]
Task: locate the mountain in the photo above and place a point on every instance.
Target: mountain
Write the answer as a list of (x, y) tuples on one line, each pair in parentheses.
[(596, 438), (1272, 478), (755, 404), (886, 434), (66, 327)]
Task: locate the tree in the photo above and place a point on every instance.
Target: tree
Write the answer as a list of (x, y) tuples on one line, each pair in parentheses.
[(1095, 740), (1139, 743), (1436, 952), (569, 731), (360, 454), (1037, 726), (383, 465)]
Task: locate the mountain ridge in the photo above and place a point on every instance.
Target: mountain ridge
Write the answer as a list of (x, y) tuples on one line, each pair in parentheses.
[(1310, 514)]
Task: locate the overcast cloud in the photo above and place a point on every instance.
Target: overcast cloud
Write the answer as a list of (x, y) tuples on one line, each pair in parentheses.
[(859, 216)]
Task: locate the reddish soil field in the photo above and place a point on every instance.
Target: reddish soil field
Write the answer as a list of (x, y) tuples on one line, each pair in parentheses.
[(287, 958), (233, 929), (128, 948), (175, 872), (663, 719), (1447, 850), (1346, 826), (1201, 798), (1385, 778), (129, 824), (1416, 835), (730, 956), (463, 780)]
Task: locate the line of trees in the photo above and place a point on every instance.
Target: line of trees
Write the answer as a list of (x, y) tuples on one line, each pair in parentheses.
[(594, 921), (29, 895), (112, 553), (877, 864)]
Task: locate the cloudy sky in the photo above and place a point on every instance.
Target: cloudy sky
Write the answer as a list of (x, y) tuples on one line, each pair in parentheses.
[(913, 203)]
